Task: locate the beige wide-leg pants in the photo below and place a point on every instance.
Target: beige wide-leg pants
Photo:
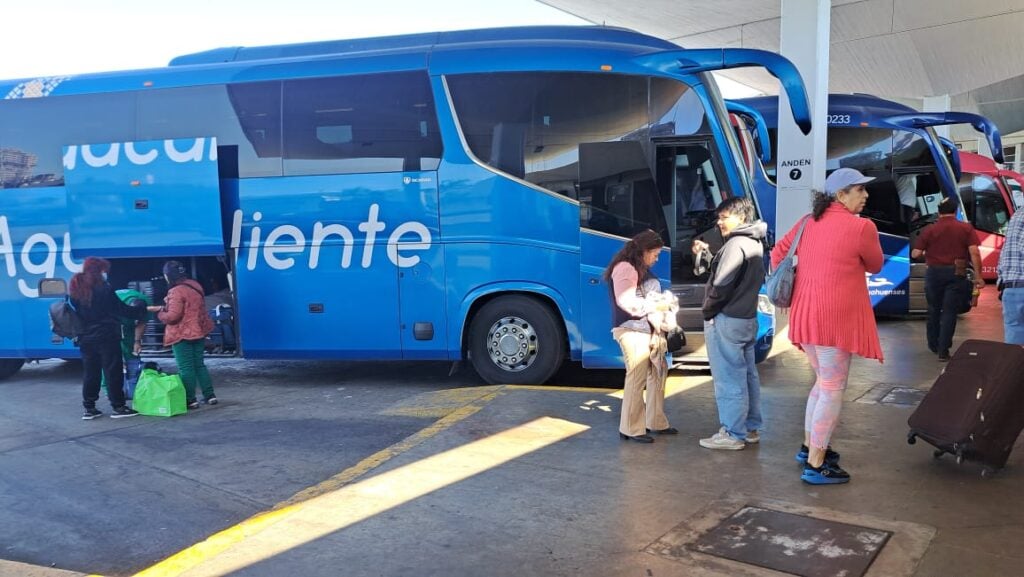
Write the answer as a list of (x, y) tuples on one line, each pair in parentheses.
[(645, 368)]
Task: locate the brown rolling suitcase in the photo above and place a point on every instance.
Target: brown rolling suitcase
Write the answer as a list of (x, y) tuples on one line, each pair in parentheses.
[(975, 409)]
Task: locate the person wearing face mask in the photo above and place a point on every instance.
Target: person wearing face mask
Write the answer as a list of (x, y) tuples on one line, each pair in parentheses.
[(730, 323), (831, 318), (101, 311), (188, 323)]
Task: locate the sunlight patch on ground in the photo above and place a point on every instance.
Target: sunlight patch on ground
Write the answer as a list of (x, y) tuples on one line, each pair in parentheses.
[(285, 529)]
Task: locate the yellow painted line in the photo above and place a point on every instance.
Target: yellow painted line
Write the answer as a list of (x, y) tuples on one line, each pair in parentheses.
[(195, 555), (382, 456), (556, 388), (332, 512), (437, 404)]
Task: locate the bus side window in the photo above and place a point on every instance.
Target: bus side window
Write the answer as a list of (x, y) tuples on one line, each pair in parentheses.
[(358, 124)]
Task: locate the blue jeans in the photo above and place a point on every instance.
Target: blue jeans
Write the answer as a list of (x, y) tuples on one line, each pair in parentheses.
[(1013, 316), (730, 343)]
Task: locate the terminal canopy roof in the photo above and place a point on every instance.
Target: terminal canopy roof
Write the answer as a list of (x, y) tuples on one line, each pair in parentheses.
[(897, 49)]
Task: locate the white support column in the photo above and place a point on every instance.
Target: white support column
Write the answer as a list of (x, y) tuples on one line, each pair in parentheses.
[(801, 164), (938, 104)]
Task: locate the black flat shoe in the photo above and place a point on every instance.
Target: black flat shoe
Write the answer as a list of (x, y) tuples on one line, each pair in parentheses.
[(638, 438), (668, 431)]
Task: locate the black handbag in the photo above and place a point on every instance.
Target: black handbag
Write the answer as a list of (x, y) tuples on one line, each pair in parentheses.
[(676, 339)]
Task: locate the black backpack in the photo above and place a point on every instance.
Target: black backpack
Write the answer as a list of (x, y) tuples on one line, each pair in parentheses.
[(64, 320)]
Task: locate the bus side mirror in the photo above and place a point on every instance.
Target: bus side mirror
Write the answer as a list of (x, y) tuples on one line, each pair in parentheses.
[(52, 287)]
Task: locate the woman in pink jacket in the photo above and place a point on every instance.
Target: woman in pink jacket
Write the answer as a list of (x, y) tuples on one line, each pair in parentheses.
[(831, 317), (184, 313)]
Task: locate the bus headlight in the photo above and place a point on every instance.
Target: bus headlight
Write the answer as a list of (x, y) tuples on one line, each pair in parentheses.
[(765, 306)]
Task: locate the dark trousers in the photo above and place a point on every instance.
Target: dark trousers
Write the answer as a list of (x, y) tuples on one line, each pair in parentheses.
[(102, 360), (944, 291)]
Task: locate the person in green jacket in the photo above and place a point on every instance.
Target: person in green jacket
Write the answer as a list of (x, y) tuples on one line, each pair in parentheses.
[(131, 341)]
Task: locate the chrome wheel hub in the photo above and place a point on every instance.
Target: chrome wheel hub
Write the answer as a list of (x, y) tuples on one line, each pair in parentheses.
[(512, 344)]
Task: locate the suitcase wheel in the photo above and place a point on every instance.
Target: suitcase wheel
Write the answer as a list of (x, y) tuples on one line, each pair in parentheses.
[(911, 438), (959, 459), (987, 472)]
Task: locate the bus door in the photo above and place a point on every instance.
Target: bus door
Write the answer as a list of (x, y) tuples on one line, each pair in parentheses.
[(618, 199), (688, 179), (157, 198)]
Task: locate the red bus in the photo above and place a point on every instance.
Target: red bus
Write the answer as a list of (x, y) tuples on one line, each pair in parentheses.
[(990, 196)]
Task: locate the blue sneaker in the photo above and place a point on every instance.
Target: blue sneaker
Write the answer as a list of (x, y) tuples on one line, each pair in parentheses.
[(825, 475), (831, 457)]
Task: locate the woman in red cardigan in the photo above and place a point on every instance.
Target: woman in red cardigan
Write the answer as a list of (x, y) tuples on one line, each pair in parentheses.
[(831, 317)]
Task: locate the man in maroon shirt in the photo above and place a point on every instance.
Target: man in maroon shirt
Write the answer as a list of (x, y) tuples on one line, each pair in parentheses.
[(943, 244)]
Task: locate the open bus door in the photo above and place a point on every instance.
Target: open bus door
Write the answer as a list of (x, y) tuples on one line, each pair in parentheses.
[(618, 199), (144, 202), (157, 198)]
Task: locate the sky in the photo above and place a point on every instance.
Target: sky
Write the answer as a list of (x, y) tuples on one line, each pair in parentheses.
[(62, 37)]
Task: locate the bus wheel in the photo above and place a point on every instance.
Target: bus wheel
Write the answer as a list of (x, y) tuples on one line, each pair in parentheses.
[(516, 340), (10, 366)]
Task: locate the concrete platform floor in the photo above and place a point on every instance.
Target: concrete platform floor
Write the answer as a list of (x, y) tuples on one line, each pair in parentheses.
[(396, 469)]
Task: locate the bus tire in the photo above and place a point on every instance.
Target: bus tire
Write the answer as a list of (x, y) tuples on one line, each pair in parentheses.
[(10, 366), (517, 340)]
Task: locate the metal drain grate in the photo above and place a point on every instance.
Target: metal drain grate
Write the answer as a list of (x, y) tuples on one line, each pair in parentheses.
[(903, 396), (794, 544)]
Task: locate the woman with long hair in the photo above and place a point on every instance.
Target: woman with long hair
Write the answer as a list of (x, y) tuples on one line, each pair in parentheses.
[(101, 312), (831, 318), (631, 284), (188, 323)]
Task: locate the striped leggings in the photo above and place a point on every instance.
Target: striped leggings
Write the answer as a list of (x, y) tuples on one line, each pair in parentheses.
[(832, 368)]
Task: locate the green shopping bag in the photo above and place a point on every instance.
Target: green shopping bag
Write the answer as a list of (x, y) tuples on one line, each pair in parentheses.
[(159, 394)]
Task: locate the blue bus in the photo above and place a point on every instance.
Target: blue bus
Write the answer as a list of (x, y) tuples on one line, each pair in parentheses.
[(914, 170), (443, 196)]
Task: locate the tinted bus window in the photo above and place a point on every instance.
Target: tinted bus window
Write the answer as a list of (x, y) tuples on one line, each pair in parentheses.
[(617, 190), (531, 124), (245, 118), (33, 132), (355, 124), (909, 149), (984, 204), (676, 110), (866, 149)]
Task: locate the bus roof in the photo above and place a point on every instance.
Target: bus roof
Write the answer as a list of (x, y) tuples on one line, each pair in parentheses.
[(428, 41), (407, 52), (864, 107)]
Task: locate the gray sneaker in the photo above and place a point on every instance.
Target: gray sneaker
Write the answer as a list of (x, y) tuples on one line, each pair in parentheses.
[(753, 437), (722, 440)]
